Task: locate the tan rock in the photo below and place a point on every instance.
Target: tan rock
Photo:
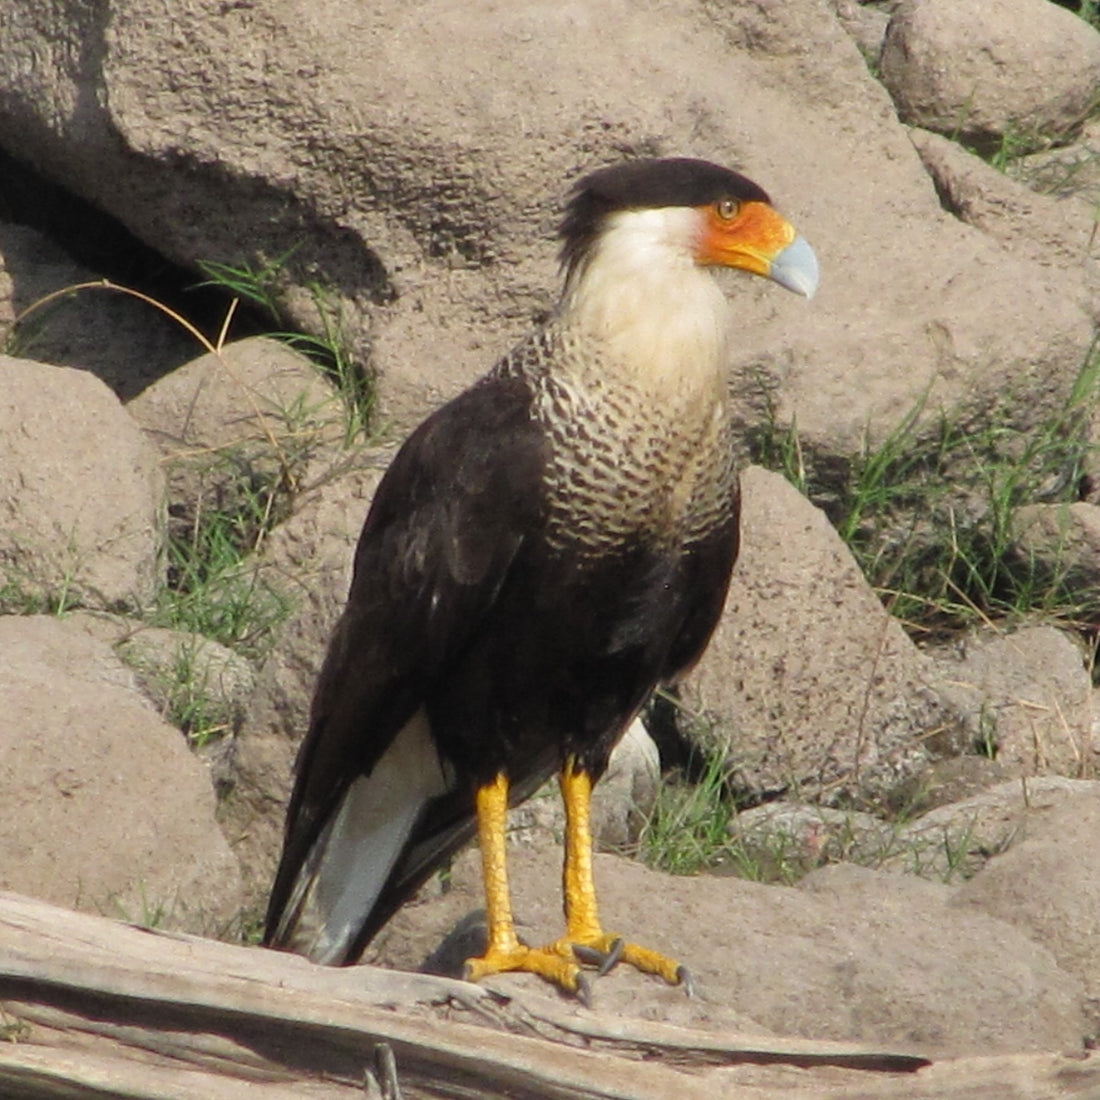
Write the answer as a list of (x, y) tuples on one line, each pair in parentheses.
[(1048, 886), (811, 684), (81, 492), (105, 809), (989, 69), (1027, 698), (1055, 233)]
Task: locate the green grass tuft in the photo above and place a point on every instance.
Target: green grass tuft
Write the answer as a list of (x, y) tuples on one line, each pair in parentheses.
[(330, 350), (688, 828), (213, 588)]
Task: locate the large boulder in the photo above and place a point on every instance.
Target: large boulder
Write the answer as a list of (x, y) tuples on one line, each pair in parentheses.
[(376, 151), (809, 684), (81, 492), (105, 809)]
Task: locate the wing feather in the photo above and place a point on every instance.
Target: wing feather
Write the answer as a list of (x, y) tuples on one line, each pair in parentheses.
[(446, 523)]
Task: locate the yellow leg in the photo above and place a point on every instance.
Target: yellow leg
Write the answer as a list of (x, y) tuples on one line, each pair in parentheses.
[(584, 936), (584, 940), (504, 951)]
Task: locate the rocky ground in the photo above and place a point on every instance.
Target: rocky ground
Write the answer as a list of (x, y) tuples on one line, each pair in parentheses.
[(388, 179)]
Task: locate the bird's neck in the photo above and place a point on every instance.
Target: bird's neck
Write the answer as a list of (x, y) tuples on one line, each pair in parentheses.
[(655, 322)]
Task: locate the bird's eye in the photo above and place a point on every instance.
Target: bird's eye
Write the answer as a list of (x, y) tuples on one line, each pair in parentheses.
[(727, 208)]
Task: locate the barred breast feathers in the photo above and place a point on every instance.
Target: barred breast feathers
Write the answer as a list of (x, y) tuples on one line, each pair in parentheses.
[(624, 462)]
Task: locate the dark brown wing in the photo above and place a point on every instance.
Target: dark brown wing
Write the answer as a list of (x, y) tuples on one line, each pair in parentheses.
[(447, 520), (706, 569)]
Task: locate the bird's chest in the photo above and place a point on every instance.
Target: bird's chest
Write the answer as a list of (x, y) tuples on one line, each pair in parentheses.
[(625, 469)]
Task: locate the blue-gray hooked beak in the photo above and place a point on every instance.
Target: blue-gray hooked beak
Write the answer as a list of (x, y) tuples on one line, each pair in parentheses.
[(796, 268)]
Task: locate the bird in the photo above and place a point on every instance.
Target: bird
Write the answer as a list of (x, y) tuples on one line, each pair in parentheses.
[(543, 552)]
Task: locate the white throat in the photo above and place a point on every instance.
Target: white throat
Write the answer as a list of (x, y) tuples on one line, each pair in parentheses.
[(656, 316)]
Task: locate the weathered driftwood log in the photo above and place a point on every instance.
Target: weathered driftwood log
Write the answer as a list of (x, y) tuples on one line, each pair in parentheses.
[(94, 1008)]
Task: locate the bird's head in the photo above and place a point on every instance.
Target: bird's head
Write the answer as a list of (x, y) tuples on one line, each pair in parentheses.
[(687, 210)]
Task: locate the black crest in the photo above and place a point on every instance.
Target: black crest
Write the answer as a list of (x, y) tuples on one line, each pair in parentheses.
[(642, 184)]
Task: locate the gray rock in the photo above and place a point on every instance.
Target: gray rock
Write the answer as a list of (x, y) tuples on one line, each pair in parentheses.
[(105, 809), (987, 69), (1027, 697), (81, 492), (1048, 886), (812, 686)]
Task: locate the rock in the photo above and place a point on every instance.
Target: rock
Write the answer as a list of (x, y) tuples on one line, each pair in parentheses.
[(1048, 886), (787, 839), (987, 70), (624, 798), (105, 809), (811, 685), (948, 780), (1064, 538), (1027, 699), (253, 392), (80, 492), (195, 683), (851, 954), (1055, 233), (1072, 171), (123, 341), (955, 841), (247, 421), (866, 23)]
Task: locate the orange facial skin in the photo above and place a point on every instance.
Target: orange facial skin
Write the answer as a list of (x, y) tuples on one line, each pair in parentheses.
[(748, 235)]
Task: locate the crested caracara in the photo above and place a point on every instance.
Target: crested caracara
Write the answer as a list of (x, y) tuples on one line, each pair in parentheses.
[(543, 551)]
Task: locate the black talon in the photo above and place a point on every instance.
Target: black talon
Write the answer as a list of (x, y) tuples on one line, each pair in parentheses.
[(584, 991), (611, 959), (589, 956), (684, 978)]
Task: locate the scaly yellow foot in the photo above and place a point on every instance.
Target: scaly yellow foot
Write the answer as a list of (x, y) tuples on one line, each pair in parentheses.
[(560, 969), (585, 938)]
